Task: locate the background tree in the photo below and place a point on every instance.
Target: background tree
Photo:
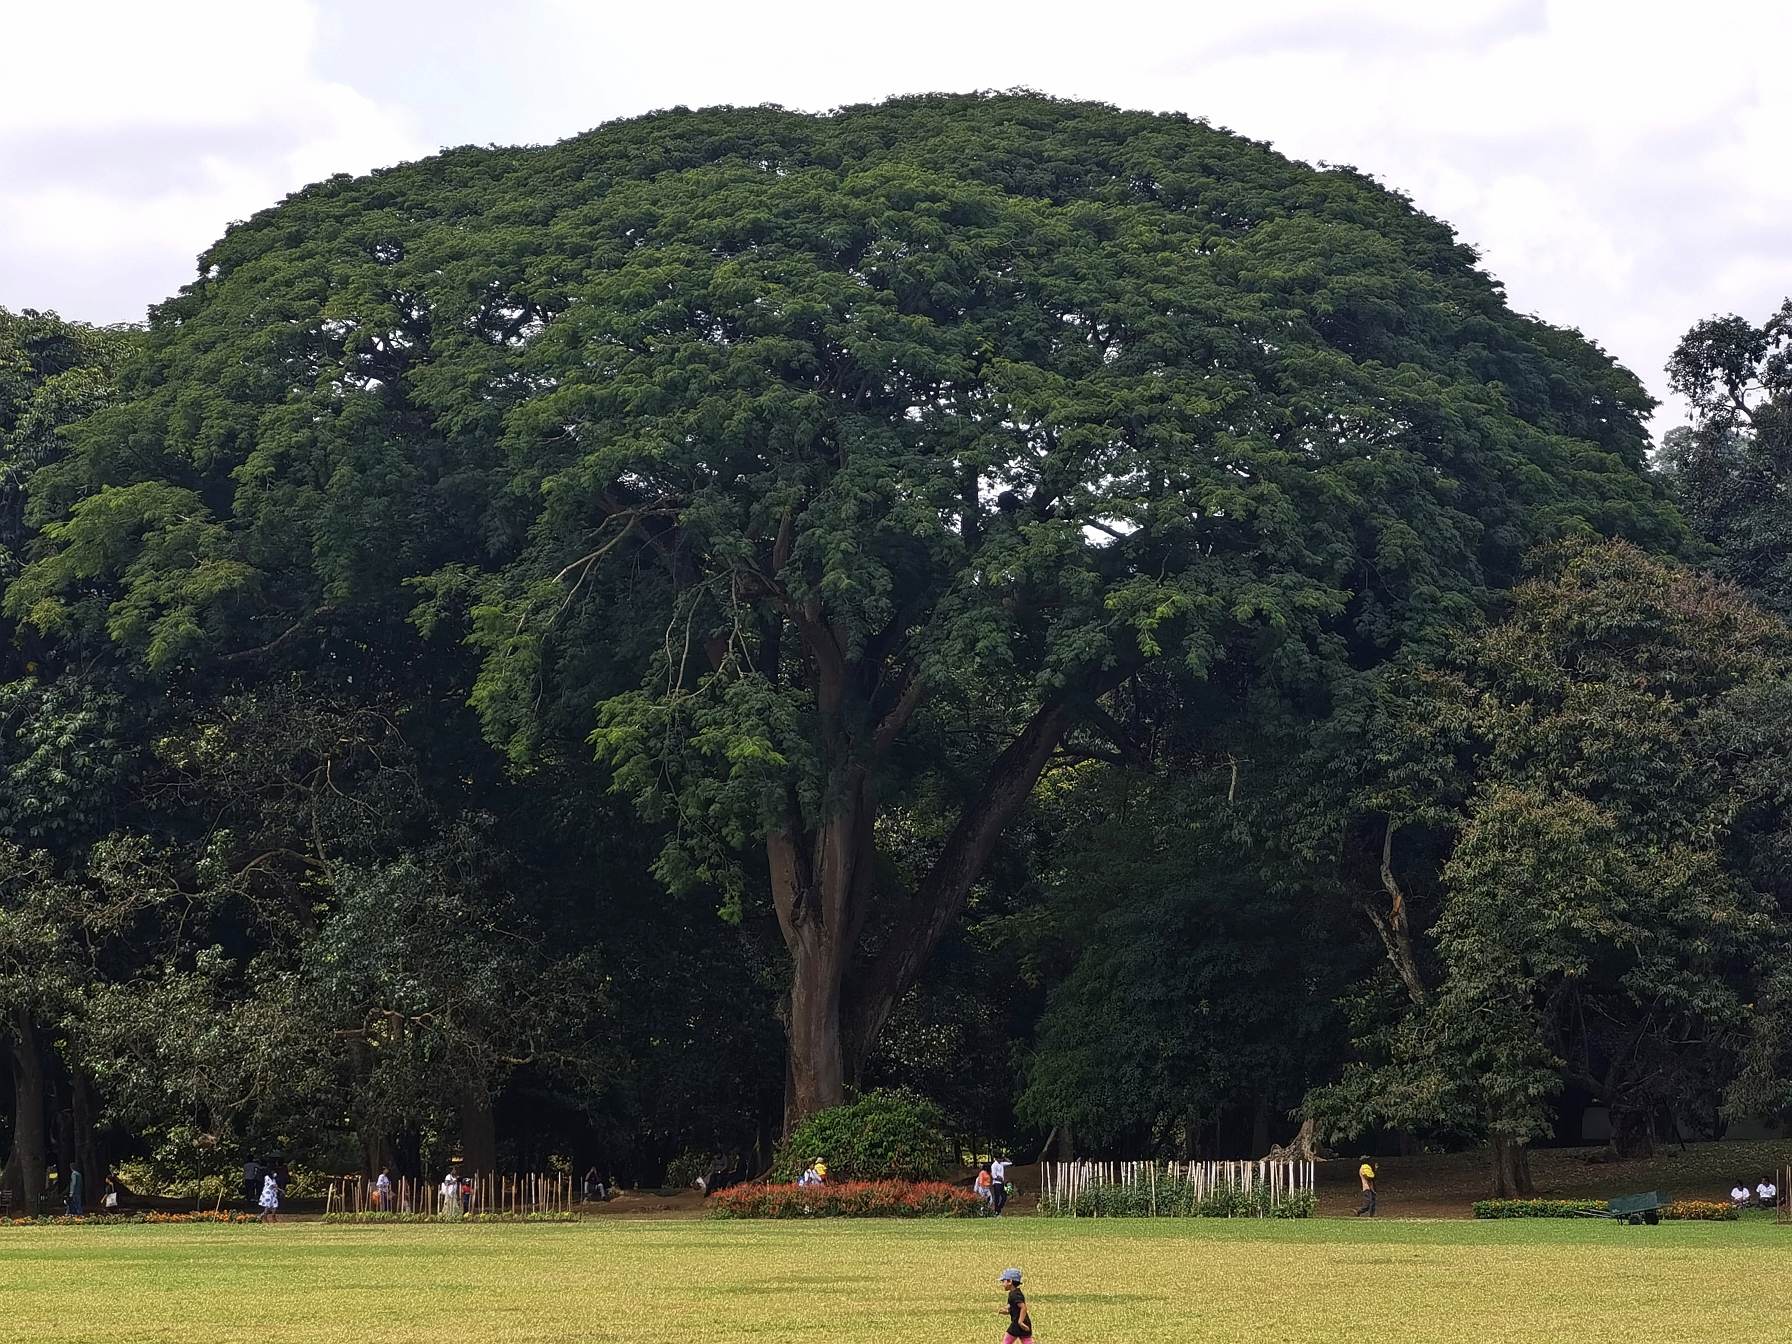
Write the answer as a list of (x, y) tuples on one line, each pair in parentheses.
[(1731, 466), (1610, 902)]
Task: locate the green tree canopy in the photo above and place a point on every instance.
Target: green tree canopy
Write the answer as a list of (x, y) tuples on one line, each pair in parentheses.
[(1609, 765), (813, 466)]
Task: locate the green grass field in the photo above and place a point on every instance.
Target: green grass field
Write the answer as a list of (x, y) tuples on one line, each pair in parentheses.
[(1138, 1282)]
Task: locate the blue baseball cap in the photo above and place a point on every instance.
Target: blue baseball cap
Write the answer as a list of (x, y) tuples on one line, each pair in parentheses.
[(1010, 1276)]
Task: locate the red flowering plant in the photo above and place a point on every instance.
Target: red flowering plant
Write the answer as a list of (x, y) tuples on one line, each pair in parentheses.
[(848, 1199)]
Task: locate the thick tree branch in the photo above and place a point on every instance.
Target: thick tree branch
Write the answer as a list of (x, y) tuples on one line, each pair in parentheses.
[(942, 892), (1394, 928)]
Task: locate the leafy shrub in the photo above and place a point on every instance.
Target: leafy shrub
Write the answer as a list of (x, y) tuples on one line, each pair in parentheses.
[(1700, 1210), (848, 1199), (1537, 1208), (883, 1136), (682, 1170)]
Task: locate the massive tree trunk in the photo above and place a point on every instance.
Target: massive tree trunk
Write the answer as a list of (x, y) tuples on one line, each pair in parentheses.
[(1511, 1168), (821, 888), (26, 1167)]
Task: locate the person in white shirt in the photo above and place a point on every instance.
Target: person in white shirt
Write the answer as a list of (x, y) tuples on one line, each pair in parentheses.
[(1766, 1193), (451, 1196), (382, 1191), (998, 1184), (1739, 1195)]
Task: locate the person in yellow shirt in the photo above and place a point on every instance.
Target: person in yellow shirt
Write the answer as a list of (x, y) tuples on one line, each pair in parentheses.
[(1367, 1172)]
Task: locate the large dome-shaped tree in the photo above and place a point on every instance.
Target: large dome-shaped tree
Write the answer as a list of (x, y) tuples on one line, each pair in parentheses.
[(816, 466)]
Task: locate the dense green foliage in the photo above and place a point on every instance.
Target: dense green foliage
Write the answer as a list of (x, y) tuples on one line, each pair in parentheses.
[(1537, 1208), (997, 593), (879, 1136)]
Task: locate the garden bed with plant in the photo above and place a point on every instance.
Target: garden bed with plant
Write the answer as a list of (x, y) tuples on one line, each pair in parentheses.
[(127, 1219), (848, 1199), (1538, 1208)]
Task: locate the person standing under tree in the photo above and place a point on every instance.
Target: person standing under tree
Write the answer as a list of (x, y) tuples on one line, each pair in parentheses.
[(1020, 1320), (270, 1197), (382, 1191), (1367, 1172), (77, 1192)]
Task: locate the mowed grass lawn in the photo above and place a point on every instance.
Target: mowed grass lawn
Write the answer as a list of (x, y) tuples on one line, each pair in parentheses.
[(1103, 1281)]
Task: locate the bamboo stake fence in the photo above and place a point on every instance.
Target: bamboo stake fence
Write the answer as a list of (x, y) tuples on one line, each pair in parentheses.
[(518, 1195), (1062, 1182)]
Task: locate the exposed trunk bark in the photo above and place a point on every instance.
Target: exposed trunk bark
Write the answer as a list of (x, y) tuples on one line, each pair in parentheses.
[(27, 1165), (942, 892), (1633, 1132), (478, 1133), (1395, 928), (821, 889), (1260, 1129), (1305, 1146), (87, 1153), (1511, 1176)]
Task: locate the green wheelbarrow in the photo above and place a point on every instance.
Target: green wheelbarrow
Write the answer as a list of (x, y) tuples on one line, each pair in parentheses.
[(1634, 1209)]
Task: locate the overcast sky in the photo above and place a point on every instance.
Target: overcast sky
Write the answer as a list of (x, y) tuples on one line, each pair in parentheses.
[(1621, 164)]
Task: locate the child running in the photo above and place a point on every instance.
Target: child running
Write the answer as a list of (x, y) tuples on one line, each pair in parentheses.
[(1020, 1324)]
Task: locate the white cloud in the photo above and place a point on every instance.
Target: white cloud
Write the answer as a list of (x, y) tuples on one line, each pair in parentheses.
[(1615, 160), (132, 133)]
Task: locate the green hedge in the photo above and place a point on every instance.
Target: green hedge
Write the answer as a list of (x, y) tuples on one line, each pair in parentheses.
[(1537, 1208), (1174, 1197)]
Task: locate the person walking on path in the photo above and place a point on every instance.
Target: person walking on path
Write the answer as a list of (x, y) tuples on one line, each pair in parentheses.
[(1020, 1320), (985, 1184), (382, 1191), (1367, 1173), (270, 1198), (998, 1185)]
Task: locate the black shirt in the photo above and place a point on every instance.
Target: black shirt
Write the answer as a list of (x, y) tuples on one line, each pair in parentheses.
[(1018, 1328)]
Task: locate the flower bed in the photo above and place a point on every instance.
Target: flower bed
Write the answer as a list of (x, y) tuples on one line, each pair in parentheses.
[(1537, 1208), (848, 1199), (119, 1219), (1700, 1210)]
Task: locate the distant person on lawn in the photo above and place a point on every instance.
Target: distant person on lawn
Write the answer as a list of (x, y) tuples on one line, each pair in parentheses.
[(77, 1190), (382, 1191), (998, 1184), (1020, 1321), (1739, 1194), (1366, 1173), (270, 1197), (985, 1184), (1767, 1194)]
